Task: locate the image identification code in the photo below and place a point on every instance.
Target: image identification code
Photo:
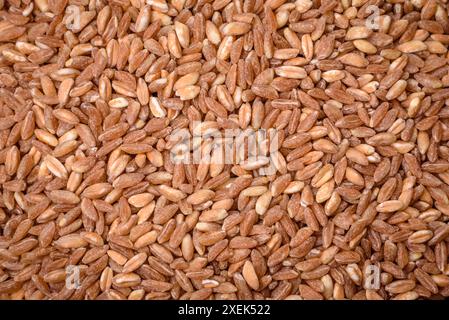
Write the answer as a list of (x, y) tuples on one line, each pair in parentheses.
[(226, 309), (250, 309)]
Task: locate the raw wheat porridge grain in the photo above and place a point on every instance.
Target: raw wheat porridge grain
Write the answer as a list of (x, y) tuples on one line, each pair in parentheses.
[(93, 205)]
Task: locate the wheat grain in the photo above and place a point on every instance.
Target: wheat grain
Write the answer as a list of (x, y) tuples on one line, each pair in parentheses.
[(351, 125)]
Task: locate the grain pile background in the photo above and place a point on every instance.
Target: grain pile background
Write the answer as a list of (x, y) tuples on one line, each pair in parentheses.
[(92, 90)]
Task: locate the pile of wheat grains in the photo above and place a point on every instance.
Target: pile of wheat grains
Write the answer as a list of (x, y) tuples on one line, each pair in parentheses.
[(92, 205)]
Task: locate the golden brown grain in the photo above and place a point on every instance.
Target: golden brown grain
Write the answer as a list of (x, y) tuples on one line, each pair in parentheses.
[(90, 110)]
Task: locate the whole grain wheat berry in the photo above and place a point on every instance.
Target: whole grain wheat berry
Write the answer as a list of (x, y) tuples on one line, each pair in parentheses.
[(224, 149)]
